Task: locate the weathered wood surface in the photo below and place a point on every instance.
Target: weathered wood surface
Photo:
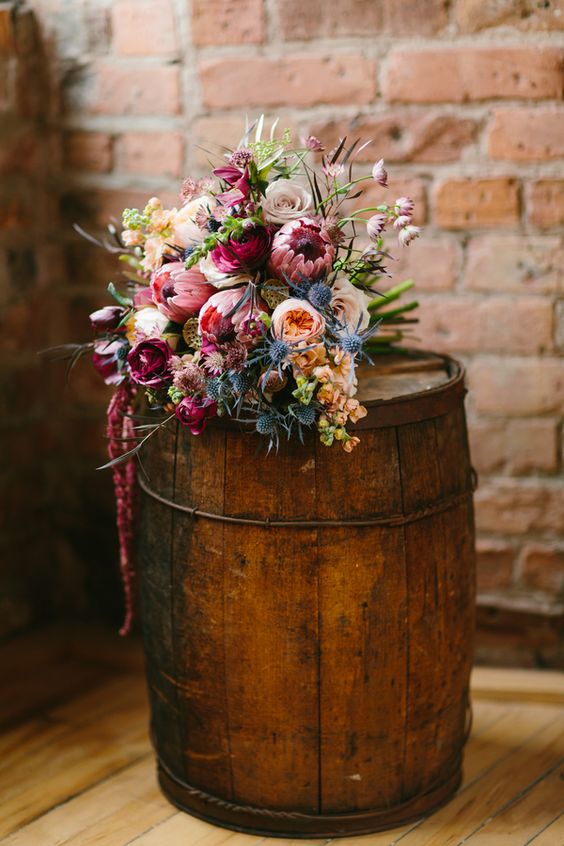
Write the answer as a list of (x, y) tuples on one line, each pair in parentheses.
[(79, 771), (313, 674)]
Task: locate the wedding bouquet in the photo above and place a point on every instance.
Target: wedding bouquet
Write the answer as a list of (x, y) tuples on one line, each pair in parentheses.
[(252, 299)]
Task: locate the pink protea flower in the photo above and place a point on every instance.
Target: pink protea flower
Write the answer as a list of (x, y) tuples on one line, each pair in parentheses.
[(301, 249), (179, 293), (219, 324)]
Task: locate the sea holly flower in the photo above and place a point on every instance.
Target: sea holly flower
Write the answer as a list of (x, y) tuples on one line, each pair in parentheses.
[(379, 174), (149, 362), (301, 250), (179, 293)]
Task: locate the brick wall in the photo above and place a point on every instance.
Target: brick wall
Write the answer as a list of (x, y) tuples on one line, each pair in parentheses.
[(464, 101)]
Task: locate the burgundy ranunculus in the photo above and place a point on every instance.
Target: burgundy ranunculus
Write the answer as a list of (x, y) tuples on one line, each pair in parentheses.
[(106, 319), (195, 412), (179, 293), (245, 254), (107, 358), (148, 362)]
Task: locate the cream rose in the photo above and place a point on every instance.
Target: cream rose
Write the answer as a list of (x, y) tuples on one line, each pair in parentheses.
[(296, 320), (185, 229), (218, 278), (146, 323), (350, 305), (285, 200)]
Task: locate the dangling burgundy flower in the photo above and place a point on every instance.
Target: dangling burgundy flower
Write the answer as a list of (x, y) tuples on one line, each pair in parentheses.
[(246, 253), (301, 249), (195, 413)]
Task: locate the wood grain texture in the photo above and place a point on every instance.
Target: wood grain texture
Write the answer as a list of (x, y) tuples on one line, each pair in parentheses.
[(317, 670)]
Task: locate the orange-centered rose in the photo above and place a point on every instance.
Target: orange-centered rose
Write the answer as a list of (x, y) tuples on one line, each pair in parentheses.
[(296, 320)]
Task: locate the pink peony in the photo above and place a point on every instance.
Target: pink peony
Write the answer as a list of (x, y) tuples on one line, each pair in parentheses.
[(297, 320), (301, 249), (246, 253), (195, 412), (179, 293), (217, 322)]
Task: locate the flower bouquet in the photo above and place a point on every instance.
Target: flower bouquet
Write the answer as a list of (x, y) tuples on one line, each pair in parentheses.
[(254, 300)]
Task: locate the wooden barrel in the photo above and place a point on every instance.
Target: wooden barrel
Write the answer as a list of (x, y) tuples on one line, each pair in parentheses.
[(308, 615)]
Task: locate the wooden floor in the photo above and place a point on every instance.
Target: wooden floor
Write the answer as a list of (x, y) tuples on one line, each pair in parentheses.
[(76, 766)]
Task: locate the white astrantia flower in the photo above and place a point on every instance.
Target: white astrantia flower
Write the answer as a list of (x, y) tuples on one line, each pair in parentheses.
[(286, 200)]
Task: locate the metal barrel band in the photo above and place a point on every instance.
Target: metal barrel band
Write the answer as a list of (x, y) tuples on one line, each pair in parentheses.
[(437, 507)]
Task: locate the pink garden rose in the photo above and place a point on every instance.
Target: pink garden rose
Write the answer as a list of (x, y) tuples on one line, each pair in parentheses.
[(350, 305), (301, 250), (149, 362), (179, 293), (297, 320), (246, 253), (195, 413)]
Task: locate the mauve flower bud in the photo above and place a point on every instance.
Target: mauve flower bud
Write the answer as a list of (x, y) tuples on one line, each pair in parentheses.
[(312, 143), (375, 225), (106, 319), (404, 206), (408, 234), (379, 174)]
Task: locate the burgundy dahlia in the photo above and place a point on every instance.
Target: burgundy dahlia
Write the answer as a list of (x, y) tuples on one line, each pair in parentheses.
[(195, 412), (246, 253), (301, 249), (149, 362)]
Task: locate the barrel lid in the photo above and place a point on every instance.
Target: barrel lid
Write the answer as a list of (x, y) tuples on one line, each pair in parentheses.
[(417, 385)]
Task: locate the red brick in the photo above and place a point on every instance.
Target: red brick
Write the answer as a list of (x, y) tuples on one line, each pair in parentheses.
[(399, 186), (212, 136), (545, 202), (473, 73), (433, 263), (518, 507), (141, 28), (143, 90), (100, 205), (527, 15), (494, 562), (542, 567), (295, 80), (92, 151), (517, 263), (153, 153), (521, 326), (527, 134), (227, 22), (403, 135), (20, 150), (319, 19), (514, 447), (467, 203), (517, 387)]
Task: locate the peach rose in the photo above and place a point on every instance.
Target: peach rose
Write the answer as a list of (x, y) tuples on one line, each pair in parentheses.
[(185, 229), (296, 320)]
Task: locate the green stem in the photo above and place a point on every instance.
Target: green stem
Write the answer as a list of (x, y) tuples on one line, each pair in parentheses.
[(393, 294), (386, 315), (340, 190)]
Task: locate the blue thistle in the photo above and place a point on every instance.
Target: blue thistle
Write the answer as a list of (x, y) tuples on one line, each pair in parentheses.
[(187, 253), (267, 423), (214, 389), (352, 343), (240, 382), (278, 351), (306, 414), (214, 225), (320, 295)]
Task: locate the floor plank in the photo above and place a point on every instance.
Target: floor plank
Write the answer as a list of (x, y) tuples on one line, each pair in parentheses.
[(76, 768)]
